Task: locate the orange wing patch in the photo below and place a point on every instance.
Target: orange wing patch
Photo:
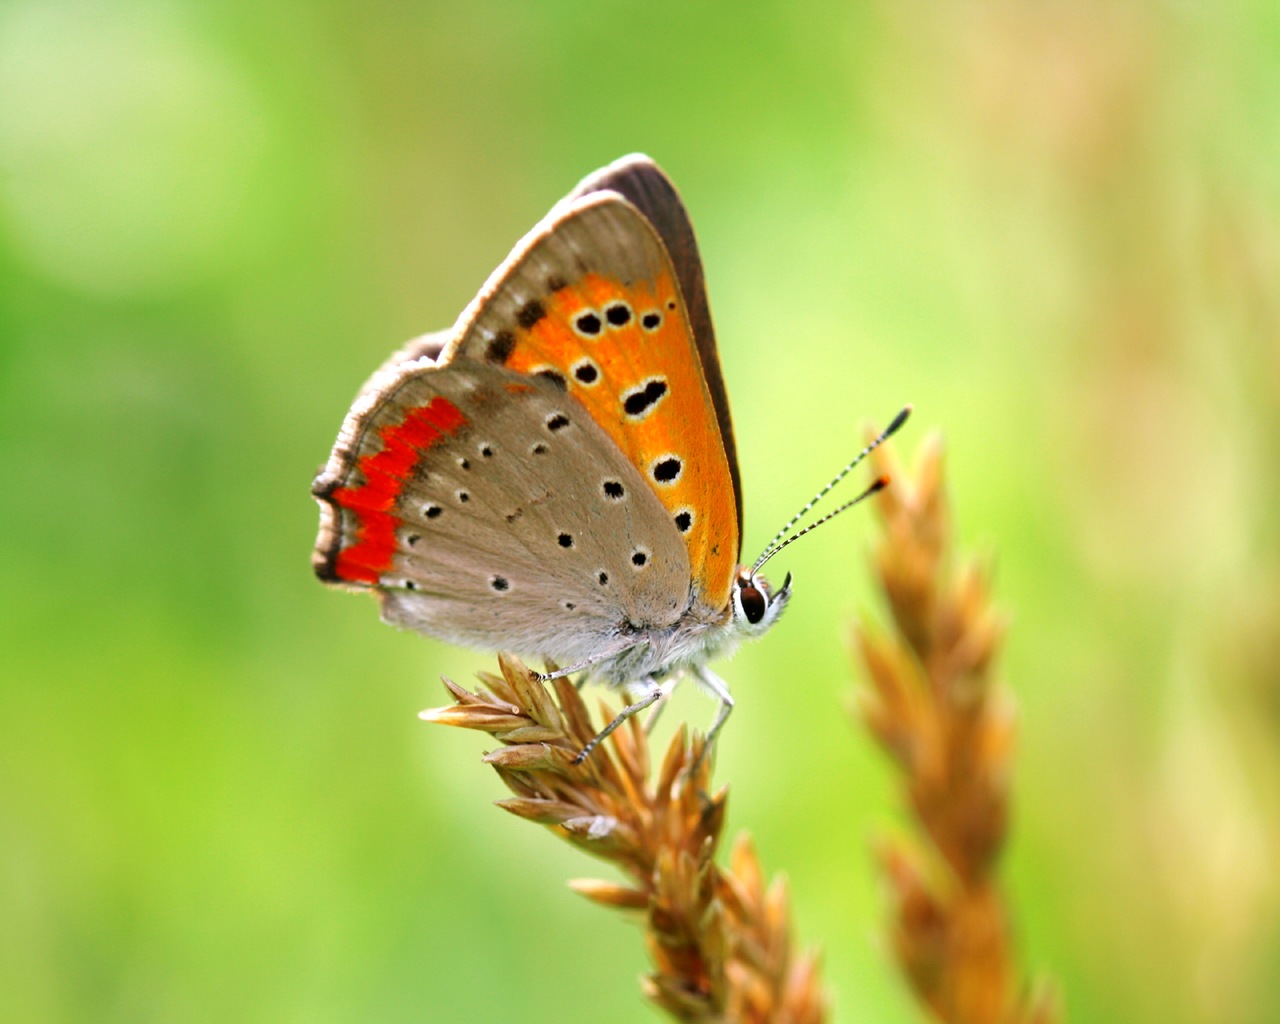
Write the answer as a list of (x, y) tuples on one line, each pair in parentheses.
[(626, 352)]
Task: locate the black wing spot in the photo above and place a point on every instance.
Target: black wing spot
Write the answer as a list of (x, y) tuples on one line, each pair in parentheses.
[(671, 303), (586, 372), (410, 585), (486, 450), (618, 314), (464, 463), (684, 521), (539, 449), (613, 490), (603, 578), (639, 402), (667, 469), (569, 606), (431, 511), (463, 497), (499, 583), (412, 539), (555, 376), (639, 558), (588, 324), (557, 421), (500, 347), (554, 284), (566, 540), (530, 313), (651, 321)]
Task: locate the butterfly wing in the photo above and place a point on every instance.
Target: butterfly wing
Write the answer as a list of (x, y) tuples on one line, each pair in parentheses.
[(591, 301), (643, 184), (422, 350), (487, 508)]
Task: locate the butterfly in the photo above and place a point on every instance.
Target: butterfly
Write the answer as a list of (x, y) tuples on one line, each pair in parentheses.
[(556, 475)]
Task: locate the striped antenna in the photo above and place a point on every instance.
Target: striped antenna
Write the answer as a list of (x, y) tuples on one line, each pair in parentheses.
[(773, 547)]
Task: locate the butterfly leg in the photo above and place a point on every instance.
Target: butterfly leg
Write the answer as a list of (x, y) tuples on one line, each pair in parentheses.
[(582, 666), (656, 713), (720, 689), (655, 694)]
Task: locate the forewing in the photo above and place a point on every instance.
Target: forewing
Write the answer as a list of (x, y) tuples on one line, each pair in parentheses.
[(591, 302), (644, 184)]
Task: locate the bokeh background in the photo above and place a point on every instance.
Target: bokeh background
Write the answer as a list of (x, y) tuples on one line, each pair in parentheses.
[(1052, 226)]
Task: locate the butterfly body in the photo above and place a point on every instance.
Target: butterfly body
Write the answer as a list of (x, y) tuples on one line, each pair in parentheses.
[(556, 475)]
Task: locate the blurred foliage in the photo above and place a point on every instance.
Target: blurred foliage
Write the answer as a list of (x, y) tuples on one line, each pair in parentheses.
[(1052, 226)]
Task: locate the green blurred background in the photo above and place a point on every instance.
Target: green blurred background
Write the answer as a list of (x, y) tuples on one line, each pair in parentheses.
[(1052, 226)]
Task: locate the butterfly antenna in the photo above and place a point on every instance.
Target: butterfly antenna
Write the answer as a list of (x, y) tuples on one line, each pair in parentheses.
[(879, 485), (773, 547)]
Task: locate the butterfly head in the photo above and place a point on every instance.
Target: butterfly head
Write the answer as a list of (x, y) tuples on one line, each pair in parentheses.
[(756, 605)]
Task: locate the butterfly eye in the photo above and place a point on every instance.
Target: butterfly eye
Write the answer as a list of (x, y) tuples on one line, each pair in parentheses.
[(753, 603)]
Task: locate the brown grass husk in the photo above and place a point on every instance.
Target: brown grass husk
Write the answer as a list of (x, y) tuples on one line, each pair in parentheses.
[(935, 707), (718, 937)]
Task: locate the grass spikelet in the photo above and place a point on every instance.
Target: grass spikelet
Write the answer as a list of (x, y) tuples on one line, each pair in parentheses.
[(718, 938), (934, 705)]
